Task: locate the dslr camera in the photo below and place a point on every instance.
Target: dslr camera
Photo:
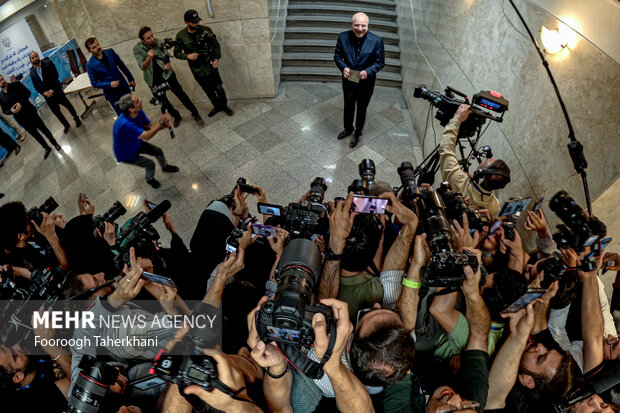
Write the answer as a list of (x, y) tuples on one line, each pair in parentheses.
[(306, 218), (456, 207), (34, 214), (111, 215), (445, 268), (287, 318), (91, 391)]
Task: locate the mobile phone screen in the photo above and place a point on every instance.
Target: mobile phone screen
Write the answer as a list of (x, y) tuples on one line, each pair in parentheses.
[(263, 230), (513, 207), (158, 279), (230, 249), (268, 209), (277, 333), (369, 205), (524, 300), (147, 383), (150, 204)]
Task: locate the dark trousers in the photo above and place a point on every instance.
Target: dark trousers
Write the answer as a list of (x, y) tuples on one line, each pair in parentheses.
[(212, 85), (7, 142), (177, 89), (356, 95), (33, 123), (149, 166), (54, 102)]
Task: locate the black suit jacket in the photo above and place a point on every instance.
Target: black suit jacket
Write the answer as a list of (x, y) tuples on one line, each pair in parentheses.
[(16, 92), (371, 58), (49, 75)]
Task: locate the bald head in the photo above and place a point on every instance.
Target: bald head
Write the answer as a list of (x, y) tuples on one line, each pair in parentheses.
[(360, 24)]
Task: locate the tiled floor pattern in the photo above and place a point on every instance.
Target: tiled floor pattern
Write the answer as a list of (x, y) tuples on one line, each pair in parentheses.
[(280, 143)]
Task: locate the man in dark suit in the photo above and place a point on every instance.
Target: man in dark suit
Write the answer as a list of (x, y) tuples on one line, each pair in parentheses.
[(45, 80), (104, 70), (358, 50), (14, 101)]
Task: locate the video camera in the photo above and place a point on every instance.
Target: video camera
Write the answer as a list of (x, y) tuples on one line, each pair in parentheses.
[(91, 391), (456, 207), (447, 104), (111, 215), (139, 233), (159, 91), (445, 268), (34, 214), (287, 318)]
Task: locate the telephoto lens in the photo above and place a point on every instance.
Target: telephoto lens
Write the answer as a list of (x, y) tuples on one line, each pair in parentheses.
[(90, 390), (317, 190), (407, 178), (367, 170), (359, 187)]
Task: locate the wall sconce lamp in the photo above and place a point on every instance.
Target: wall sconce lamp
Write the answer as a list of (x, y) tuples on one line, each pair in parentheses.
[(555, 40)]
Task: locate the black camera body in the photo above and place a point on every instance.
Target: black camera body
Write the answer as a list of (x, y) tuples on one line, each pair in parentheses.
[(447, 104), (445, 268), (184, 369), (554, 267), (111, 215), (304, 219), (287, 318), (456, 207), (139, 233), (34, 213), (159, 91), (91, 392), (579, 230), (205, 43)]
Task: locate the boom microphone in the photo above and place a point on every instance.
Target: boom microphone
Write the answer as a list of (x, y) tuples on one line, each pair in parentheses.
[(158, 211)]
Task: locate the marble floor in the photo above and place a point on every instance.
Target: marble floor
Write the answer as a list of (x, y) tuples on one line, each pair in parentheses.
[(280, 143)]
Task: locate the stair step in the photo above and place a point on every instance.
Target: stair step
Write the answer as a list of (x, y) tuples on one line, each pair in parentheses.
[(327, 46), (343, 22), (309, 74), (327, 60), (360, 4), (331, 33), (342, 9)]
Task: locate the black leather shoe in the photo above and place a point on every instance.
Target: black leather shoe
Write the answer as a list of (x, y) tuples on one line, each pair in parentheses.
[(170, 168), (17, 149), (213, 112), (177, 121), (344, 134), (48, 150), (198, 120), (228, 111), (153, 182), (57, 147), (354, 140), (66, 129), (78, 122)]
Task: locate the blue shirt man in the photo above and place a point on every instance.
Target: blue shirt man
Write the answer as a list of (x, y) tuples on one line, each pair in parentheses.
[(131, 131)]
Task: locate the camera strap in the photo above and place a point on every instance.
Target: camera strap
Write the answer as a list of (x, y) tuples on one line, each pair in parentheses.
[(201, 406), (302, 362)]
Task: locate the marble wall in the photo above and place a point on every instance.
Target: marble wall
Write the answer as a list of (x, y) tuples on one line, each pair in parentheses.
[(475, 45), (50, 25), (241, 26), (277, 28)]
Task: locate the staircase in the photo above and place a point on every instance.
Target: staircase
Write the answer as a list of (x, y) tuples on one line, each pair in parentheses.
[(312, 28)]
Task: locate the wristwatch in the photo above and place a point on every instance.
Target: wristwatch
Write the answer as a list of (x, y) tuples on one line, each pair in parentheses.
[(330, 255)]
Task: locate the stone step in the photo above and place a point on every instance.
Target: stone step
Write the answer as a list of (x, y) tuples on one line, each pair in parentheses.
[(326, 74), (331, 33), (343, 22), (327, 46), (339, 9), (327, 60), (360, 4)]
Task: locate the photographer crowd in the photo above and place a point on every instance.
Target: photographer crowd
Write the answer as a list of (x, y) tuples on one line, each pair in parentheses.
[(404, 300)]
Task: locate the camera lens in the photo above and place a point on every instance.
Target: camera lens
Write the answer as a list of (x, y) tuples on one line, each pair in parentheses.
[(367, 170), (317, 190), (359, 187)]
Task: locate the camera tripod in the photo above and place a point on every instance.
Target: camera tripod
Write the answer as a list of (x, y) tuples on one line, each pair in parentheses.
[(428, 168), (159, 92)]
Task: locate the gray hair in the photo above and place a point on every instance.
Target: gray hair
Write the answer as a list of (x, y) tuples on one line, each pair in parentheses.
[(125, 102)]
